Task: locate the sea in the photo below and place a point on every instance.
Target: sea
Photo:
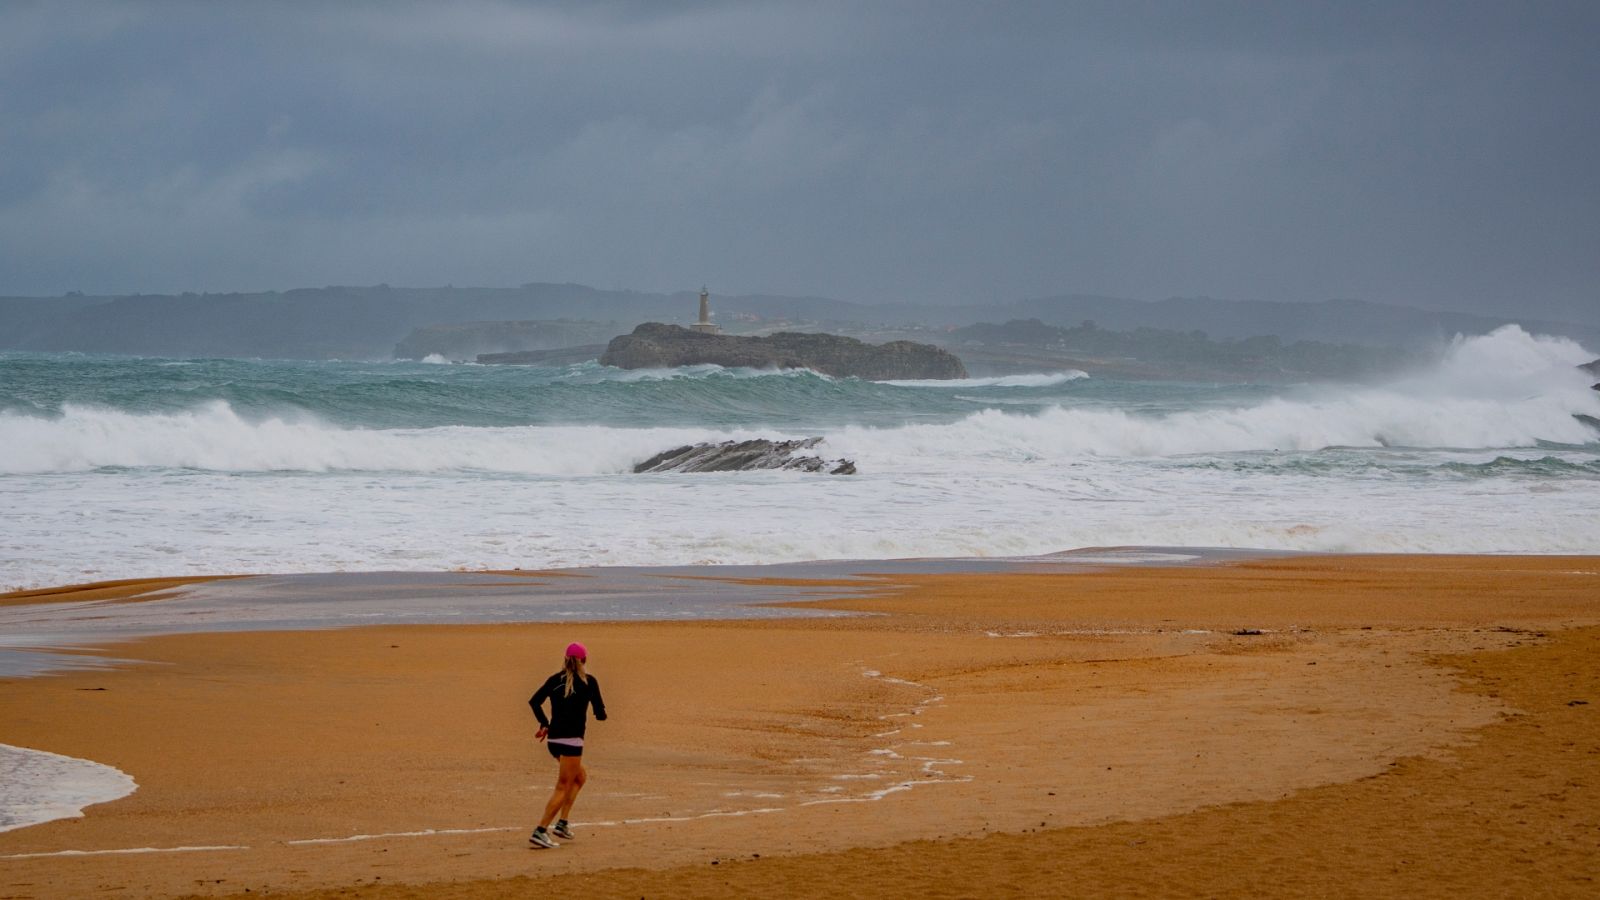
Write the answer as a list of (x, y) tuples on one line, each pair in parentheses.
[(124, 467), (367, 491)]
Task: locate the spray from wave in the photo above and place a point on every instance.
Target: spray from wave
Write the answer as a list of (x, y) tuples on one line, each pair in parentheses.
[(1504, 389)]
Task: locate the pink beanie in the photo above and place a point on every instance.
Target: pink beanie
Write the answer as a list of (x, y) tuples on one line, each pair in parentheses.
[(576, 649)]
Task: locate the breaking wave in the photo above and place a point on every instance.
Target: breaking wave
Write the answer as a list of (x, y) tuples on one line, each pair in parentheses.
[(1507, 389)]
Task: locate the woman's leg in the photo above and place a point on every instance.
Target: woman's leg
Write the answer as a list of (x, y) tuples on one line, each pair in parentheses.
[(570, 767), (577, 784)]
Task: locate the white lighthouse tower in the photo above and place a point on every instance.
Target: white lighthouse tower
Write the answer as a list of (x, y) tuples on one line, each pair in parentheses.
[(704, 326)]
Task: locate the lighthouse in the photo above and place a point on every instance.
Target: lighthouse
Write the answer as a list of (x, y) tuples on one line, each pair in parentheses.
[(704, 326)]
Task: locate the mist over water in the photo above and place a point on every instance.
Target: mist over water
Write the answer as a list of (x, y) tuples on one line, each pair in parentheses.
[(116, 467)]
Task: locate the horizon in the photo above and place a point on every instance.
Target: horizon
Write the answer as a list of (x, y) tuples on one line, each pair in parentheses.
[(1575, 319), (997, 304)]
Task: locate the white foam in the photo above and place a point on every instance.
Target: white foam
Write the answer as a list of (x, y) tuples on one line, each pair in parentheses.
[(868, 797), (207, 490), (714, 814), (1505, 389), (704, 370), (37, 786), (215, 438), (425, 832), (889, 679), (127, 850), (1037, 379)]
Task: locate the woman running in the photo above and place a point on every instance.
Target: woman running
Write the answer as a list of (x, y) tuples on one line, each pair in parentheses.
[(571, 692)]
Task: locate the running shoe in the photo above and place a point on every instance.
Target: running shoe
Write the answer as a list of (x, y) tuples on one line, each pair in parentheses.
[(563, 830), (540, 840)]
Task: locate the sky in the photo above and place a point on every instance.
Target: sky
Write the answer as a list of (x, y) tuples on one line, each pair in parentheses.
[(1436, 154)]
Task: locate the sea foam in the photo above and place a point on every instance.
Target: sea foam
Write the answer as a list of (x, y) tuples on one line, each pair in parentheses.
[(1505, 389), (1477, 452), (1032, 380), (36, 786)]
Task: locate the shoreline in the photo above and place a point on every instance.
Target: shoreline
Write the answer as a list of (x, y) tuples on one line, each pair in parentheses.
[(57, 628), (977, 688)]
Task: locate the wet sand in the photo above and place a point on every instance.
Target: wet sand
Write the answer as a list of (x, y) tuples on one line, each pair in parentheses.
[(129, 589), (1399, 724)]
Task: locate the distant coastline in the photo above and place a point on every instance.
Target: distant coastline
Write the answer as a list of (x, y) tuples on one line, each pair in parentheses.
[(367, 322)]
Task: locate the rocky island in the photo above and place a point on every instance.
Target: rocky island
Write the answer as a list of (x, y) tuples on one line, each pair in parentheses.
[(654, 345)]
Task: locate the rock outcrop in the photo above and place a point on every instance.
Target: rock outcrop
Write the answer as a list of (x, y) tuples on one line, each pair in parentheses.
[(1592, 368), (657, 346), (745, 456)]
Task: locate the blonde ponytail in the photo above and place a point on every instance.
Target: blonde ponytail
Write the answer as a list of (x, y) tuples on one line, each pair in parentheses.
[(572, 670)]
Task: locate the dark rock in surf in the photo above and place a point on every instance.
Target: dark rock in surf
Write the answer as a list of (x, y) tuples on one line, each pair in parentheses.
[(745, 456), (657, 346)]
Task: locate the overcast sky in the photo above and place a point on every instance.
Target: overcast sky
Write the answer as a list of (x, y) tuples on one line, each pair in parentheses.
[(1441, 154)]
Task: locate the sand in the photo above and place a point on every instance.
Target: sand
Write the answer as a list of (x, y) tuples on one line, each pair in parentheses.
[(125, 590), (1399, 725)]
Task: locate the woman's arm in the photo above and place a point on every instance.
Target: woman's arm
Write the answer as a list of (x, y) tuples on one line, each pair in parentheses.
[(537, 702), (597, 701)]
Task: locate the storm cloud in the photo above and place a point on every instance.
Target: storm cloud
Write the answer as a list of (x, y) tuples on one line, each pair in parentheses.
[(1441, 154)]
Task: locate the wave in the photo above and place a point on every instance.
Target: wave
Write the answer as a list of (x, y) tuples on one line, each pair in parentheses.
[(595, 372), (214, 437), (711, 370), (1346, 462), (1544, 466), (1501, 390), (1038, 379), (1508, 389)]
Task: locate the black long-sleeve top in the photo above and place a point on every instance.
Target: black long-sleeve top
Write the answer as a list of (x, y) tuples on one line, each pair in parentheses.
[(568, 715)]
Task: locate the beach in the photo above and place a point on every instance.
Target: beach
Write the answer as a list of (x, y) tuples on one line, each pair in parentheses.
[(1008, 451), (1296, 726)]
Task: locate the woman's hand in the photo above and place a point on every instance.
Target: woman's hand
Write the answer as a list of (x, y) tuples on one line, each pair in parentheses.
[(539, 735)]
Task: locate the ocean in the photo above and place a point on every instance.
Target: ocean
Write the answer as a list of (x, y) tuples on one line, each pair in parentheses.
[(117, 467)]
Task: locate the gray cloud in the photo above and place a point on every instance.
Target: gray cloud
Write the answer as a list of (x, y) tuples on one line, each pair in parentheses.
[(1438, 154)]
